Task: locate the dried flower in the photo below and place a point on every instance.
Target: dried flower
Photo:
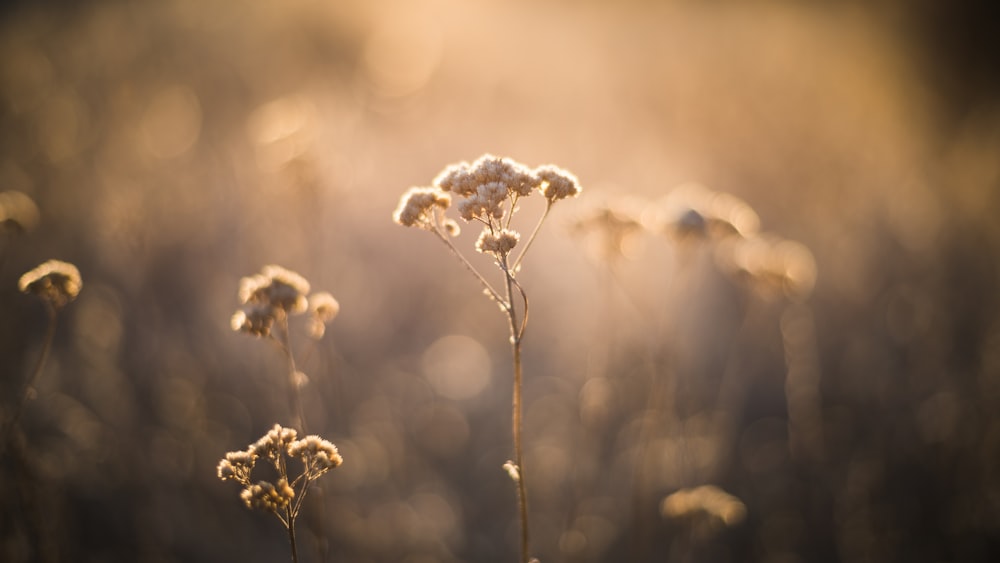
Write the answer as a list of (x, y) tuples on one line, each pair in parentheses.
[(275, 442), (253, 319), (318, 455), (557, 183), (275, 286), (501, 242), (416, 207), (237, 466), (465, 179), (323, 308), (268, 497), (486, 203), (55, 281)]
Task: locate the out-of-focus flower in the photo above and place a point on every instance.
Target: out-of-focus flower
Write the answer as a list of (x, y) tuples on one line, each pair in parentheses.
[(275, 286), (18, 211), (323, 308), (253, 319), (55, 281), (706, 501)]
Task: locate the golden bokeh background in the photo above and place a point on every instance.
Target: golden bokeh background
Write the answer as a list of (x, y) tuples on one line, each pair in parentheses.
[(170, 148)]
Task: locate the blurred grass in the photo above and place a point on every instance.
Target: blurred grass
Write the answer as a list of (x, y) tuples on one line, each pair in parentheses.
[(174, 147)]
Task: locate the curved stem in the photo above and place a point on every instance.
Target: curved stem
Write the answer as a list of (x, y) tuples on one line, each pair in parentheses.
[(29, 386)]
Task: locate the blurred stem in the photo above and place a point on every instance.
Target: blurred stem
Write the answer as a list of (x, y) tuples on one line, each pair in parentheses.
[(29, 385), (298, 417), (516, 334), (291, 535)]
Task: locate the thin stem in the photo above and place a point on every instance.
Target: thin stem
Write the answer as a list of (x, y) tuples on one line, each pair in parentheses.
[(29, 385), (468, 265), (531, 238), (516, 333), (291, 536), (299, 419)]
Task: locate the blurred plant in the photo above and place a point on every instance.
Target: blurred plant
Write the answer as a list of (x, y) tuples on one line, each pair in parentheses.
[(705, 509), (18, 215), (268, 299), (285, 495), (56, 283), (490, 189)]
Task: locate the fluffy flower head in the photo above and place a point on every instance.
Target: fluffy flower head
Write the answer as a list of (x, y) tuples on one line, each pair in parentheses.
[(417, 205), (500, 242), (275, 286), (318, 455), (268, 497), (557, 183), (273, 444)]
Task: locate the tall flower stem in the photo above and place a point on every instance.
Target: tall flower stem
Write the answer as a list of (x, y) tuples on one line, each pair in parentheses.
[(516, 334)]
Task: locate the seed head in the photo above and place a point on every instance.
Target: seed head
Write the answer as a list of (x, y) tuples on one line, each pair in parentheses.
[(275, 286), (485, 203), (318, 455), (322, 308), (500, 242), (273, 444), (255, 320), (557, 183), (465, 179), (417, 205), (268, 497), (54, 281), (237, 466)]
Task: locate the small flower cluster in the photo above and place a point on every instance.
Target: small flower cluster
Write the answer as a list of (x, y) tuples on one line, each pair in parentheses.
[(279, 446), (489, 189), (55, 282), (275, 293)]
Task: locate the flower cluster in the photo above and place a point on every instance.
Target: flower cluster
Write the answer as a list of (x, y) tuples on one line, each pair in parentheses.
[(55, 282), (274, 294), (279, 446), (489, 189)]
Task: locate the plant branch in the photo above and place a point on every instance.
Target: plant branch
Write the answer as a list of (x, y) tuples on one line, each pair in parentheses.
[(531, 238)]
